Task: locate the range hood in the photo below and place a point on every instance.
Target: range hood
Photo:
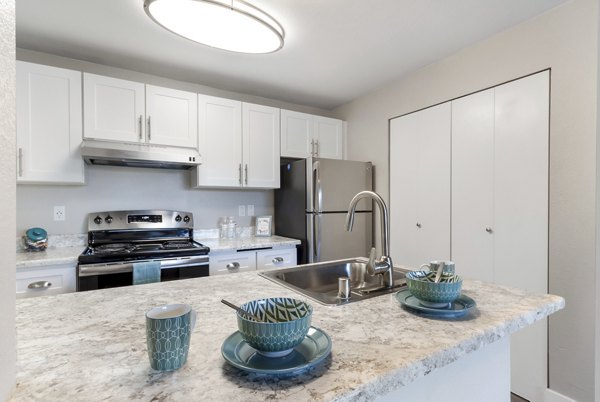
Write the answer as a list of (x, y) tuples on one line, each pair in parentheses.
[(97, 152)]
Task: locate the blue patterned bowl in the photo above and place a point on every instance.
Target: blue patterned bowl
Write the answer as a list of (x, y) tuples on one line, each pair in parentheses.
[(422, 285), (286, 324)]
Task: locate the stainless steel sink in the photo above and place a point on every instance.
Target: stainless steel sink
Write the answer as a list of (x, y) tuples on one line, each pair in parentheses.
[(319, 281)]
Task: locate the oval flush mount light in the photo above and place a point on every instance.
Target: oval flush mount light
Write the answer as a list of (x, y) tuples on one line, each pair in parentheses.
[(233, 25)]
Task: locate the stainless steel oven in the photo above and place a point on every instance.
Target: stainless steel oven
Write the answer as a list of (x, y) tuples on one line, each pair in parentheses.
[(118, 240)]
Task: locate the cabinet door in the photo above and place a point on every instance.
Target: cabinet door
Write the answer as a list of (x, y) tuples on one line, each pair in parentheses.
[(472, 185), (171, 117), (260, 145), (297, 131), (276, 258), (521, 215), (232, 263), (420, 186), (220, 143), (113, 109), (49, 128), (328, 137)]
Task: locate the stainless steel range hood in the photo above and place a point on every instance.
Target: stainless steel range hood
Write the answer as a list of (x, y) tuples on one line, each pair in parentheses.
[(97, 152)]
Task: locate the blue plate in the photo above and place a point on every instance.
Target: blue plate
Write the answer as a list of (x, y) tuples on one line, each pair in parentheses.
[(310, 352), (459, 307)]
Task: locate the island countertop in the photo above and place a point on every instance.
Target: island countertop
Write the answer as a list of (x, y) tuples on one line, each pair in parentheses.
[(92, 346)]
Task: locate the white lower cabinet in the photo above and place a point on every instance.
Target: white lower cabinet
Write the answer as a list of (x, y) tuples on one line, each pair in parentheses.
[(276, 258), (242, 261), (47, 280)]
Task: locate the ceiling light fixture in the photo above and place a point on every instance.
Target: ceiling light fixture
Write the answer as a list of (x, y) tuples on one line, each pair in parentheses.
[(233, 25)]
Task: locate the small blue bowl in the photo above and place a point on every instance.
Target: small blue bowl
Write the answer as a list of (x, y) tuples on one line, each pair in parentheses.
[(422, 285), (287, 322)]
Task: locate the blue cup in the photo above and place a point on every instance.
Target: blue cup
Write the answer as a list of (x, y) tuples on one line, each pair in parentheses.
[(168, 332)]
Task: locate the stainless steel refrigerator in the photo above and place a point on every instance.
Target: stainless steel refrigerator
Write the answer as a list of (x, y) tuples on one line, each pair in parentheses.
[(312, 203)]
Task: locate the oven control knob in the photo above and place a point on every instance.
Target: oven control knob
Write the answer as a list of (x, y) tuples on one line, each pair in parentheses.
[(97, 220), (186, 219), (108, 219), (178, 218)]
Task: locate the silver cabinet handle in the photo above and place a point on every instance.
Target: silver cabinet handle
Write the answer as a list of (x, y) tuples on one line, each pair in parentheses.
[(149, 132), (419, 225), (20, 162), (489, 230), (140, 125), (39, 285), (312, 147), (246, 170), (240, 173), (317, 147), (233, 266), (277, 260)]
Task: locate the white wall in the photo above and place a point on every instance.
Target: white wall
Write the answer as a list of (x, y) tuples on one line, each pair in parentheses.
[(7, 198), (116, 188), (566, 40)]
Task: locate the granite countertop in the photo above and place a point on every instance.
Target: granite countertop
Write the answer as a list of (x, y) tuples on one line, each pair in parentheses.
[(91, 345), (69, 253)]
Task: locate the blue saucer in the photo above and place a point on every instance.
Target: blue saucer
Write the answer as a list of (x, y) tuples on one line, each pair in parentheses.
[(459, 307), (310, 352)]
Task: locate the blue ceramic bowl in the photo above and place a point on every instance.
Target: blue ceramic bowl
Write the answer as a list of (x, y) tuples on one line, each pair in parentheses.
[(421, 284), (286, 324)]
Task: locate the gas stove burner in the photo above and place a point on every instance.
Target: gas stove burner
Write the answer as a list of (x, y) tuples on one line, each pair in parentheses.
[(114, 248)]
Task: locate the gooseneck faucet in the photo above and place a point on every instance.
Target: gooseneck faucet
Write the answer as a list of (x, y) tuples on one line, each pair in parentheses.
[(382, 265)]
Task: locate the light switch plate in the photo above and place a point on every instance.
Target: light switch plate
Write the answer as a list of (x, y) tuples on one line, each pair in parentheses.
[(241, 210), (250, 210)]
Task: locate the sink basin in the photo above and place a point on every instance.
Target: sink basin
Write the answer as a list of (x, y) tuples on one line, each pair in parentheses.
[(319, 281)]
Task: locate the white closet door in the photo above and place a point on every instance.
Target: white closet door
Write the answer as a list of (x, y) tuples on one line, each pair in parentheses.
[(472, 185), (220, 142), (420, 186), (521, 215)]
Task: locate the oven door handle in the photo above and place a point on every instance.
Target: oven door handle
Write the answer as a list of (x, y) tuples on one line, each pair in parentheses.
[(167, 263)]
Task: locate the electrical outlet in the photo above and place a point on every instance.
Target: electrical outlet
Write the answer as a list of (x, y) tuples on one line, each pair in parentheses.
[(250, 210), (59, 213), (241, 210)]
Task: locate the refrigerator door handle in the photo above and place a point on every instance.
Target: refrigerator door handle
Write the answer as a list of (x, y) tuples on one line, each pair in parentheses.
[(318, 191), (317, 238)]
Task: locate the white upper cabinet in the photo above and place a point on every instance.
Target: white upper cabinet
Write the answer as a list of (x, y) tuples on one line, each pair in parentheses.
[(260, 146), (171, 117), (49, 127), (239, 144), (220, 142), (127, 111), (304, 135), (420, 186), (113, 109)]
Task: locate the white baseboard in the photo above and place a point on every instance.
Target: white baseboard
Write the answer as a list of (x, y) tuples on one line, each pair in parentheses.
[(553, 396)]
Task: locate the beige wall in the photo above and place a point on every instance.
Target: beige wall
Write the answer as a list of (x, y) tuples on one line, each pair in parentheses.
[(7, 198), (564, 39)]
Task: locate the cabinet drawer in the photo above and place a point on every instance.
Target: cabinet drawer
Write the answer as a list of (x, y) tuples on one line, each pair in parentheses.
[(50, 280), (276, 258), (232, 263)]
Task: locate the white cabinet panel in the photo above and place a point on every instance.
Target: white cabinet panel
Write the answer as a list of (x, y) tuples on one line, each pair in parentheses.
[(328, 137), (260, 149), (304, 135), (171, 117), (472, 185), (420, 186), (276, 258), (50, 280), (49, 127), (113, 109), (231, 263), (220, 142)]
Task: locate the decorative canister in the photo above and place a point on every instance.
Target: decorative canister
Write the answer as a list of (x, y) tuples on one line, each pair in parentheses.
[(35, 239)]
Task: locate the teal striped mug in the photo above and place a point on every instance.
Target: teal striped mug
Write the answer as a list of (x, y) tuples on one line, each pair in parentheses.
[(168, 332)]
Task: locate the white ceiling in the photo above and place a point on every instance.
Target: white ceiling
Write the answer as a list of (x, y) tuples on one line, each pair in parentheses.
[(334, 52)]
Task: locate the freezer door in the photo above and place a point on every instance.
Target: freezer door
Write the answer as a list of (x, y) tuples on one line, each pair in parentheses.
[(331, 184), (331, 241)]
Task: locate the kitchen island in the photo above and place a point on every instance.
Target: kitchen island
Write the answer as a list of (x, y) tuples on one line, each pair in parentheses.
[(91, 346)]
